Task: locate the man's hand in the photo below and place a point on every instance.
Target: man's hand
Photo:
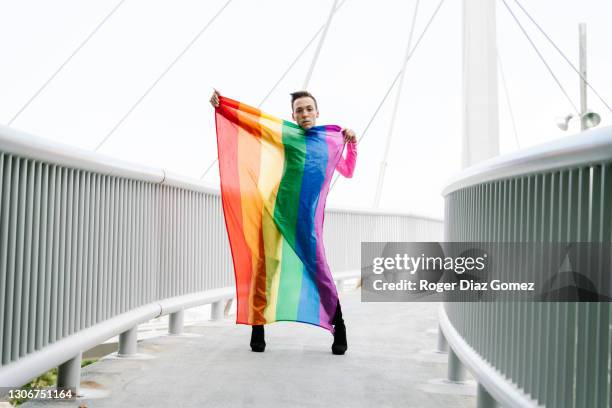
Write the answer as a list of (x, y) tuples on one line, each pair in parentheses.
[(214, 99), (349, 136)]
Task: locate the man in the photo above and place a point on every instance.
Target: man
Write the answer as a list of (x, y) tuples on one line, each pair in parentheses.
[(305, 112)]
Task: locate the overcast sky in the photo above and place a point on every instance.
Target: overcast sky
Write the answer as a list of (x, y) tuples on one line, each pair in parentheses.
[(244, 52)]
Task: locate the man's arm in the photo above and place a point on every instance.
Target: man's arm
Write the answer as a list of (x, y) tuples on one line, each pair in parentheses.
[(346, 165)]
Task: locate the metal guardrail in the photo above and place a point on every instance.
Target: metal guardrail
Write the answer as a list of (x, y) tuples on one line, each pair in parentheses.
[(549, 354), (91, 246)]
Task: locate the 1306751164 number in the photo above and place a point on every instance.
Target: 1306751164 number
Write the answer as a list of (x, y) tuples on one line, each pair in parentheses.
[(41, 393)]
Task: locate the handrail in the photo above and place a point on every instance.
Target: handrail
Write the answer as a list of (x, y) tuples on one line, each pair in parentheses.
[(556, 192), (20, 372), (504, 392), (591, 146), (382, 212), (30, 146)]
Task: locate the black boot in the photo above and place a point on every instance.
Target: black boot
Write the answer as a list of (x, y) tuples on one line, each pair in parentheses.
[(258, 343), (339, 345)]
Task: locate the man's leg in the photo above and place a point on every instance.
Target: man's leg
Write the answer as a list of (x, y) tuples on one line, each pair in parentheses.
[(258, 343), (339, 346)]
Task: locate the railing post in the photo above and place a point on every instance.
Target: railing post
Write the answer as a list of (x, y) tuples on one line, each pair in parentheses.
[(340, 284), (128, 345), (216, 310), (442, 343), (69, 374), (484, 399), (228, 306), (456, 370), (176, 322)]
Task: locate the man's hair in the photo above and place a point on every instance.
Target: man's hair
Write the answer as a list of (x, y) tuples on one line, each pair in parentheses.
[(302, 94)]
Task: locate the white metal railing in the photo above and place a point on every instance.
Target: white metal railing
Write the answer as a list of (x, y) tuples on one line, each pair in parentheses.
[(530, 354), (90, 247)]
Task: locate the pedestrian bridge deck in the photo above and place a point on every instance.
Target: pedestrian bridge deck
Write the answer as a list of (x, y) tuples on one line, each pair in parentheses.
[(390, 362)]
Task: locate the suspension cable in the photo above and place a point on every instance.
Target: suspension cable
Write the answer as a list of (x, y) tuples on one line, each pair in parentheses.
[(416, 45), (320, 45), (398, 95), (541, 57), (159, 78), (280, 79), (295, 60), (503, 77), (57, 71), (563, 55)]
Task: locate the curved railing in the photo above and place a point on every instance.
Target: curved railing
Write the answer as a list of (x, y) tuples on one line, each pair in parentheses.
[(90, 247), (527, 354)]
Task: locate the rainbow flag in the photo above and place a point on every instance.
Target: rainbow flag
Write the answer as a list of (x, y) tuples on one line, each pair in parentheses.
[(275, 178)]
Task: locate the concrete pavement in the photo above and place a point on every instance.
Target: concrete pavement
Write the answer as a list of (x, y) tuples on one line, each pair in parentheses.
[(389, 363)]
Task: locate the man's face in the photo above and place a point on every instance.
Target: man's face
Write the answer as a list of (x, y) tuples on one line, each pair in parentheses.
[(305, 112)]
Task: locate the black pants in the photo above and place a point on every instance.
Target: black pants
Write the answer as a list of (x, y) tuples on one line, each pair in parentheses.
[(338, 316)]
